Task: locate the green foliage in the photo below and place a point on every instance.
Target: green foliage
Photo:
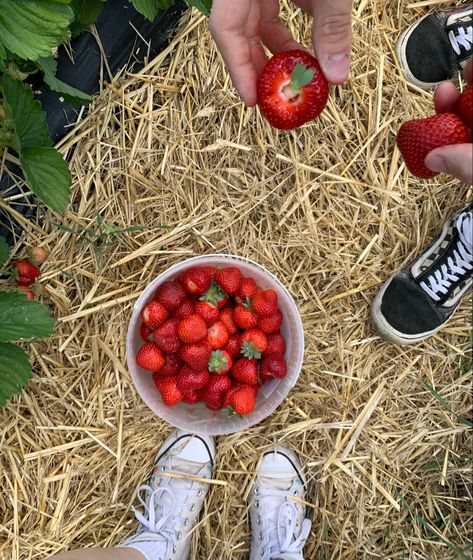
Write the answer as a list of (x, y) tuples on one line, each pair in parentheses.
[(70, 94), (150, 8), (15, 371)]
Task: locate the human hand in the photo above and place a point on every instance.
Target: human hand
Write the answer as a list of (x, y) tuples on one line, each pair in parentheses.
[(241, 28), (457, 160)]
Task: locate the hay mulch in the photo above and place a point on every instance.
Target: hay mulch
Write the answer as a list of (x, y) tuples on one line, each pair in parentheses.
[(332, 211)]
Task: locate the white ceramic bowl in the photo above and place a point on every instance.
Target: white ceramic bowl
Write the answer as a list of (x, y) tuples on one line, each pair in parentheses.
[(197, 418)]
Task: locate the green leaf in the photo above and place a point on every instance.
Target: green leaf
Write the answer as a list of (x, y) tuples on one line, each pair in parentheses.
[(70, 94), (20, 318), (15, 371), (150, 8), (87, 11), (4, 250), (204, 6), (32, 29), (25, 112), (301, 76), (3, 57), (48, 176)]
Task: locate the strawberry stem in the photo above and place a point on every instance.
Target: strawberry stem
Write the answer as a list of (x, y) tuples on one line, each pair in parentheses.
[(300, 77)]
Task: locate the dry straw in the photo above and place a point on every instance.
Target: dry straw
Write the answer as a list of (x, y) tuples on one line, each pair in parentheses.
[(332, 211)]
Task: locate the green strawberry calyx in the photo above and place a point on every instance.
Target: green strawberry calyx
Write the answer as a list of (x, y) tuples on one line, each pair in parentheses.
[(250, 351), (214, 294), (218, 362), (301, 76)]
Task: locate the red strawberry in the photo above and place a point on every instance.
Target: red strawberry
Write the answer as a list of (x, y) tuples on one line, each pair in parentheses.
[(171, 294), (29, 292), (189, 379), (146, 333), (272, 323), (242, 400), (273, 365), (244, 317), (215, 295), (39, 255), (229, 279), (276, 344), (168, 328), (171, 367), (169, 390), (220, 362), (265, 303), (27, 272), (186, 309), (464, 107), (208, 312), (217, 335), (150, 357), (192, 329), (246, 371), (226, 316), (154, 314), (247, 289), (212, 270), (166, 337), (233, 346), (292, 89), (417, 138), (253, 342), (214, 393), (196, 280), (196, 355), (191, 397)]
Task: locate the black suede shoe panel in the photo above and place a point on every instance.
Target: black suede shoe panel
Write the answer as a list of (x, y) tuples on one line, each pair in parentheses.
[(408, 309)]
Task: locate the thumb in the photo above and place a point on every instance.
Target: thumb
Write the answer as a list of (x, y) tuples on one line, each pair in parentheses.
[(456, 160), (332, 37)]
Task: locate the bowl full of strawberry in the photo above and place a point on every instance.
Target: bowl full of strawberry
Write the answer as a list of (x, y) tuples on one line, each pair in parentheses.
[(215, 344)]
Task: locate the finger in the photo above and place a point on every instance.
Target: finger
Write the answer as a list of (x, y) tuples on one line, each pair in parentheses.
[(274, 33), (456, 160), (332, 38), (445, 98), (468, 72), (227, 26)]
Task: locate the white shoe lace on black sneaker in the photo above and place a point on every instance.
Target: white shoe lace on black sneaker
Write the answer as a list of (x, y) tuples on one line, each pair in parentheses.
[(416, 302), (278, 522), (173, 499), (436, 47)]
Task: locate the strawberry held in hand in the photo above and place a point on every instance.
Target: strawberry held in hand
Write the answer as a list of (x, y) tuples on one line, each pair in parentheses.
[(464, 107), (417, 138), (292, 89)]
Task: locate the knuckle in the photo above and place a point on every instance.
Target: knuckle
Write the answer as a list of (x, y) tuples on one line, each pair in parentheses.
[(335, 26)]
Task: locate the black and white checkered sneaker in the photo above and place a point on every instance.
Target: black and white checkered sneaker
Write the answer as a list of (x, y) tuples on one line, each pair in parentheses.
[(436, 47), (416, 302)]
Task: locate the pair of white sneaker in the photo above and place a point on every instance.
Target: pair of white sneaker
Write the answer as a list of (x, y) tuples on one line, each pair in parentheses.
[(177, 489)]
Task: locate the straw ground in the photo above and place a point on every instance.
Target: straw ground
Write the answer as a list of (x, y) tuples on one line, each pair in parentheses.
[(331, 210)]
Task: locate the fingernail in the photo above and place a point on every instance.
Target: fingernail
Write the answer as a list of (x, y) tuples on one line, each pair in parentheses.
[(435, 163), (337, 67)]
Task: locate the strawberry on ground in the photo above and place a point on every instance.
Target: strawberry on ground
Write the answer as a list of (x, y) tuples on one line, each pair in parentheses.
[(189, 379), (253, 343), (146, 333), (464, 106), (154, 314), (171, 294), (226, 316), (208, 311), (215, 295), (233, 346), (186, 309), (150, 357), (245, 370), (220, 362), (273, 365), (244, 317), (28, 291), (242, 400), (265, 303), (27, 272), (169, 391), (247, 290), (276, 344), (196, 280), (217, 335), (171, 367), (292, 89), (39, 255), (229, 279), (197, 356), (419, 137), (192, 329), (272, 323)]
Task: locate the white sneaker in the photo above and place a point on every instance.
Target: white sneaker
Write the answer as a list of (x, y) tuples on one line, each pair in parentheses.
[(278, 522), (172, 505)]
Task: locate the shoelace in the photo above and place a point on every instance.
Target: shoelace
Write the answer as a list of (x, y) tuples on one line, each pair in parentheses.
[(457, 265), (169, 520), (281, 541), (462, 39)]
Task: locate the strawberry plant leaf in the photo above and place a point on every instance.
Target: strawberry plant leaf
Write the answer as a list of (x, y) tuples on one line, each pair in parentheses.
[(86, 12), (3, 57), (25, 114), (301, 76), (204, 6), (150, 8), (21, 318), (15, 371), (70, 94), (4, 250), (34, 29), (48, 176)]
